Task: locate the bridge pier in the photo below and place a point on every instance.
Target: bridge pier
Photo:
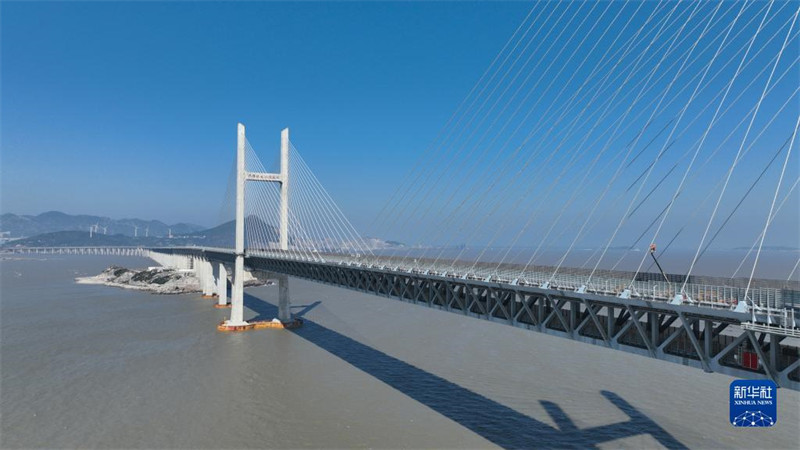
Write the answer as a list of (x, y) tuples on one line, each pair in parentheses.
[(222, 287), (237, 297), (212, 272), (284, 303), (204, 271), (284, 319), (199, 273)]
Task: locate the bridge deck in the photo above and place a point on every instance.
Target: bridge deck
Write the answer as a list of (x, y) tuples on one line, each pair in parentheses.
[(713, 337), (709, 333), (703, 291)]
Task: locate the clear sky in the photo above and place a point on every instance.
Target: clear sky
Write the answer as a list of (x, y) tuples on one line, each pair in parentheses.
[(129, 109), (638, 107)]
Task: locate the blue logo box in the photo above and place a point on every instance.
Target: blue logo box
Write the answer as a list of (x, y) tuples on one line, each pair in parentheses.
[(753, 403)]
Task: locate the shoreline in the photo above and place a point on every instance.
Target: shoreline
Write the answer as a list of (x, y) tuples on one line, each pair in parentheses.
[(157, 280), (99, 280)]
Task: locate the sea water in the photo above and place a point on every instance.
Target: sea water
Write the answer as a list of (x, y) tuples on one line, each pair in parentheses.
[(95, 366)]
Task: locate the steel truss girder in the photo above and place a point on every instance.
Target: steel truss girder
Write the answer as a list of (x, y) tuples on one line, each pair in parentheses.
[(633, 325)]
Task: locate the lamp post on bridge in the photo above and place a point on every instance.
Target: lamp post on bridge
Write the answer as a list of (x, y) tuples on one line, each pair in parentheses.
[(242, 176)]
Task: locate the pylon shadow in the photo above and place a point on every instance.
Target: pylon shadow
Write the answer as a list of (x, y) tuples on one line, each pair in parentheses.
[(304, 309), (495, 422), (269, 312)]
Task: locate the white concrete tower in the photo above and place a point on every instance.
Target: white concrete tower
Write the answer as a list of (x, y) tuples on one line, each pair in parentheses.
[(242, 176), (284, 237), (237, 297)]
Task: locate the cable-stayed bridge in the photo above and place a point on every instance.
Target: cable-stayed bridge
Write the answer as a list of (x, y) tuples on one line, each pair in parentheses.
[(589, 186)]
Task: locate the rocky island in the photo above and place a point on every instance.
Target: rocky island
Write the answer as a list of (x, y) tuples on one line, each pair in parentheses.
[(158, 280)]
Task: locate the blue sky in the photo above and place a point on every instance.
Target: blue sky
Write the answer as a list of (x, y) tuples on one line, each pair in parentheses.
[(130, 109)]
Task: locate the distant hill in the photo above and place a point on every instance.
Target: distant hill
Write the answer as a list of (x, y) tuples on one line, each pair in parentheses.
[(224, 235), (82, 239), (380, 244), (219, 236), (18, 226)]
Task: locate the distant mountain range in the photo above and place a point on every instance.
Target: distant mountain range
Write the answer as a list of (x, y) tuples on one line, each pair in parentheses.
[(19, 226), (74, 232), (56, 229)]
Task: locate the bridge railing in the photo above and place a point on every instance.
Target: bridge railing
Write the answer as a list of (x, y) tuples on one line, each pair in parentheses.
[(769, 300), (93, 250), (708, 295)]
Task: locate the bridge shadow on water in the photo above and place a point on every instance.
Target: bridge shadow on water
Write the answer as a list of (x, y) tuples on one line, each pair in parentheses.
[(497, 423)]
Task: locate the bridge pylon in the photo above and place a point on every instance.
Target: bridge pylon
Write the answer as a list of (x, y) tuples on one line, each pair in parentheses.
[(236, 321)]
